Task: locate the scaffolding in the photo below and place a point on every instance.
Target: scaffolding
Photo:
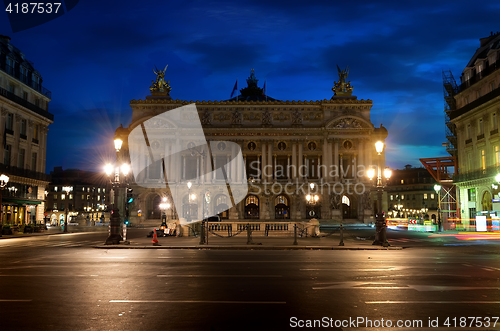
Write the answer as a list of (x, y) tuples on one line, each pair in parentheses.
[(450, 89), (442, 169)]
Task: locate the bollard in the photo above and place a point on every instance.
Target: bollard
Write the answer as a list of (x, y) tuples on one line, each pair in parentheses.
[(341, 243), (249, 235), (295, 234)]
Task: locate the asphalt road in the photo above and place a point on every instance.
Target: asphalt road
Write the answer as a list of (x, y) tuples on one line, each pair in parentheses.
[(61, 282)]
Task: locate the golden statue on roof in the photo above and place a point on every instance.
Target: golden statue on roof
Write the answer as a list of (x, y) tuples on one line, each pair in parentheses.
[(160, 87), (342, 87)]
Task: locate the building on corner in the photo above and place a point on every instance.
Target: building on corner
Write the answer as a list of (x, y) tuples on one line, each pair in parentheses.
[(25, 117)]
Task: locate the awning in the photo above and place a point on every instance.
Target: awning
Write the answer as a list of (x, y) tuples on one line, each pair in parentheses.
[(19, 201)]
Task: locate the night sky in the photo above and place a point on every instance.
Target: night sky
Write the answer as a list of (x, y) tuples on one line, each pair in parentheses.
[(101, 54)]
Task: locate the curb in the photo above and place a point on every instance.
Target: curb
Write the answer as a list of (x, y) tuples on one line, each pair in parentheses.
[(251, 247)]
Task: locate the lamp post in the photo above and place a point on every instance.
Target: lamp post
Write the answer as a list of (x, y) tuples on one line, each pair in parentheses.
[(4, 179), (189, 184), (202, 153), (312, 200), (164, 206), (113, 172), (67, 189), (380, 223), (437, 188)]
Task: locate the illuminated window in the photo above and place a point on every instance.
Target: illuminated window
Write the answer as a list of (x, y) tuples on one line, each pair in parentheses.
[(345, 200), (425, 196), (63, 196), (432, 195), (252, 199), (402, 181), (483, 159), (392, 197), (497, 155)]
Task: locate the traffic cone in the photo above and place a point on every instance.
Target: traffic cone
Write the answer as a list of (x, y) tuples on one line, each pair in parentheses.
[(155, 239)]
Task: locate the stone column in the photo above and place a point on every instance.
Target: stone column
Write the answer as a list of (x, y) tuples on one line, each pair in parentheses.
[(336, 158), (288, 167), (341, 170), (14, 155), (3, 120), (270, 161), (361, 153), (294, 160), (355, 166), (318, 167), (274, 168), (325, 164), (30, 126), (264, 162), (300, 163), (43, 148)]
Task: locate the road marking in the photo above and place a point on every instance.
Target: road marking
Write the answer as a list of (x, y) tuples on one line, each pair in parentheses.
[(37, 275), (112, 257), (435, 274), (437, 302), (378, 269), (222, 276), (199, 301), (170, 257), (379, 286)]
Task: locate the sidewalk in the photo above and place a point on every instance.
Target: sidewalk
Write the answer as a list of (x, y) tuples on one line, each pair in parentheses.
[(239, 242), (53, 231)]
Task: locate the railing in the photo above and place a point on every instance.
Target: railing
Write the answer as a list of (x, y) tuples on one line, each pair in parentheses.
[(26, 80), (480, 75), (479, 101), (481, 136), (259, 229), (477, 174), (15, 171), (24, 103)]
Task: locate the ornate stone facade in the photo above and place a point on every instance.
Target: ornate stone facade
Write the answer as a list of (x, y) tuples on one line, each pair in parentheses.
[(286, 146)]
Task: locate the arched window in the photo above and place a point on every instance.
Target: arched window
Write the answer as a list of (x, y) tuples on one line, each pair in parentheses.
[(252, 207), (281, 199), (281, 207), (221, 206), (345, 200)]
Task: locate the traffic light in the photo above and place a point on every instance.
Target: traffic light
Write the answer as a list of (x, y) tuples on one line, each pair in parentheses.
[(130, 197)]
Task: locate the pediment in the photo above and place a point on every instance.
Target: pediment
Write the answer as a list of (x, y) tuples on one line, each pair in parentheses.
[(349, 123)]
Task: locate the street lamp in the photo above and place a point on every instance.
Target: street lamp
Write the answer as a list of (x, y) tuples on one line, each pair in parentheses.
[(164, 206), (380, 223), (67, 189), (113, 172), (437, 188), (312, 200), (4, 179)]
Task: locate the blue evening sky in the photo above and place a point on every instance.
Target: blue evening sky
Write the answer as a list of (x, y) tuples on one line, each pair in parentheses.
[(100, 55)]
